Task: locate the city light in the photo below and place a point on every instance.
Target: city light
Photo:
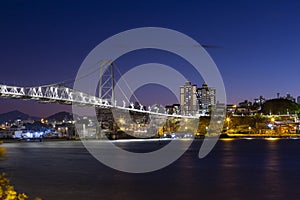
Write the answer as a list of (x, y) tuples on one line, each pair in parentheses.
[(272, 119), (228, 121)]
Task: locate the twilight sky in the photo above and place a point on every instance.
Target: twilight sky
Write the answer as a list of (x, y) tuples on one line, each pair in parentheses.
[(44, 42)]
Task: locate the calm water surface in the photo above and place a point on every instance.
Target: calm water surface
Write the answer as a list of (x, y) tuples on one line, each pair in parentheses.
[(236, 169)]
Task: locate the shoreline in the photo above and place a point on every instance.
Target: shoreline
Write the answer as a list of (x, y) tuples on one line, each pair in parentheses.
[(221, 137)]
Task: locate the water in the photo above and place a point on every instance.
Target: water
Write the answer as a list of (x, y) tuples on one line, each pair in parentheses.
[(236, 169)]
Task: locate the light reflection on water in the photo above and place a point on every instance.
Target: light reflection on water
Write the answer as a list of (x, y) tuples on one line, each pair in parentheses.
[(271, 180), (235, 169)]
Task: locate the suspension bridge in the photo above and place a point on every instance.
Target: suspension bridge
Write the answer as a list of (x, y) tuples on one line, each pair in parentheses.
[(58, 93)]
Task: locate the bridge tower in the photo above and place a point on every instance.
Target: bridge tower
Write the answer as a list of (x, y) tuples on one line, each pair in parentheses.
[(106, 92), (107, 82)]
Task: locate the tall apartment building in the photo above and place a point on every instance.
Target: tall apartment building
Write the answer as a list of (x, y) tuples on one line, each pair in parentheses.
[(188, 99), (206, 98)]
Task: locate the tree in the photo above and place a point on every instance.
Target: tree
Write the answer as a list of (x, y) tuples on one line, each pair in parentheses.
[(280, 106)]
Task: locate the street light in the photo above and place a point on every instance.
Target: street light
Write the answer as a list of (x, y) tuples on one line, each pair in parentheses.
[(121, 120), (272, 122), (228, 120)]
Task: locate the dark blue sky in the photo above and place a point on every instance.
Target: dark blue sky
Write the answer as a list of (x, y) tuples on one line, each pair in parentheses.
[(46, 41)]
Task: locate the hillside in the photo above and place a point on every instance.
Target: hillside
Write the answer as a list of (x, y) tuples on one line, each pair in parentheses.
[(14, 115), (60, 116), (280, 106)]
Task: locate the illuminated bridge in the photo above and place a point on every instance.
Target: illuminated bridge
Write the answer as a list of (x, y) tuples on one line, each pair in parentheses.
[(65, 95), (106, 106), (58, 93)]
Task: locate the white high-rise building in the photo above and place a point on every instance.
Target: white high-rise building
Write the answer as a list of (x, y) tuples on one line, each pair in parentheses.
[(188, 99)]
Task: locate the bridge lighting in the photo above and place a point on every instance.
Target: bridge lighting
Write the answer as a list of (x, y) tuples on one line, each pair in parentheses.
[(121, 120)]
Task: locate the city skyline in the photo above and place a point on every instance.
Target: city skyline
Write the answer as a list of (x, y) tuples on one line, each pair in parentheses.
[(256, 43)]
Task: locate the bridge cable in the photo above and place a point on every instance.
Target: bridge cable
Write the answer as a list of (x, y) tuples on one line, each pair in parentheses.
[(126, 84)]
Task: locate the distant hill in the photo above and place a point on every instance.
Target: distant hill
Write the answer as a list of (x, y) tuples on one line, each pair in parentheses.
[(280, 106), (60, 116), (14, 115)]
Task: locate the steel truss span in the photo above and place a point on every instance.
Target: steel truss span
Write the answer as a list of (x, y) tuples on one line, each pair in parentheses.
[(65, 95)]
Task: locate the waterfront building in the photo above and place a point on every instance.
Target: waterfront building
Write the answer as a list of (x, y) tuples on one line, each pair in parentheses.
[(230, 108), (244, 108)]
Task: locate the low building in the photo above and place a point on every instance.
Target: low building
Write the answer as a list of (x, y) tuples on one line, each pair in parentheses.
[(173, 109)]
